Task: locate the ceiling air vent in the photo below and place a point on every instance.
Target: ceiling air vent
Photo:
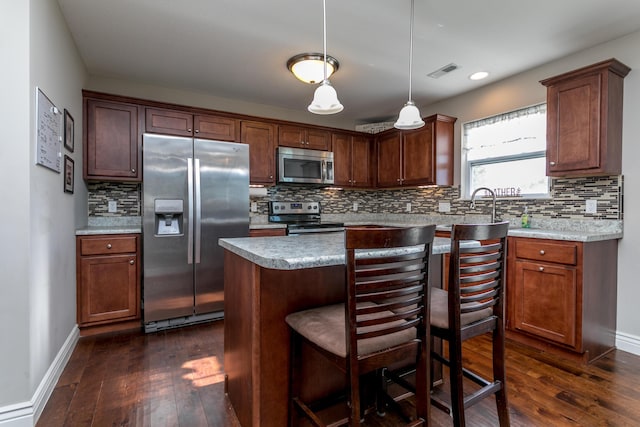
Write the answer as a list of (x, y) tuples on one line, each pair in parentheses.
[(442, 71)]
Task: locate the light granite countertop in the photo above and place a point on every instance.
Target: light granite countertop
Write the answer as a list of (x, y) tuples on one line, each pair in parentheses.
[(304, 251), (111, 225)]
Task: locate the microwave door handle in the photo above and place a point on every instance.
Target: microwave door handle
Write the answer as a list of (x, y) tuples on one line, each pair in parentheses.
[(324, 171)]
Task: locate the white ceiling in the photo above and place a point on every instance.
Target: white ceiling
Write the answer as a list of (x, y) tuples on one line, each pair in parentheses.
[(238, 48)]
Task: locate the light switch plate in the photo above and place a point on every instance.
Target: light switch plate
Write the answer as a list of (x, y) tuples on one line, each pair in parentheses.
[(591, 206), (113, 206), (444, 207), (408, 207), (355, 206), (254, 206)]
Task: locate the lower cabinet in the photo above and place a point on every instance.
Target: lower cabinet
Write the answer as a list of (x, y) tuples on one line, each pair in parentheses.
[(267, 232), (561, 295), (108, 282)]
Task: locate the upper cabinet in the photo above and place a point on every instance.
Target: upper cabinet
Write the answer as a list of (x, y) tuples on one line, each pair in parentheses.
[(262, 154), (417, 157), (584, 120), (180, 123), (112, 140), (352, 160), (304, 137)]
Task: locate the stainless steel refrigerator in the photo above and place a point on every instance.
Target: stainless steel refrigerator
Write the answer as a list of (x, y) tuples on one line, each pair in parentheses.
[(195, 191)]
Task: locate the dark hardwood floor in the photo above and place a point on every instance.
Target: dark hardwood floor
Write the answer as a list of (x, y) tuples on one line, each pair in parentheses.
[(175, 378)]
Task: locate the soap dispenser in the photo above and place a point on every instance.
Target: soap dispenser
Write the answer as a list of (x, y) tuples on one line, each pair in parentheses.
[(525, 219)]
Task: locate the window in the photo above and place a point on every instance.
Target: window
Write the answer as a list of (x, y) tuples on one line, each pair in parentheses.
[(507, 153)]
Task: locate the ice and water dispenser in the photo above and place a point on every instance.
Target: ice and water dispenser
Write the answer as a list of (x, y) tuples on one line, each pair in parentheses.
[(168, 216)]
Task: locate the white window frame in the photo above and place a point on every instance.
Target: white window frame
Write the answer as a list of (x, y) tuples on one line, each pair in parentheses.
[(467, 164)]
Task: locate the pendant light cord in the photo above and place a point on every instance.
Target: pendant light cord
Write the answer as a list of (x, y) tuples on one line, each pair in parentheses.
[(410, 49), (324, 35)]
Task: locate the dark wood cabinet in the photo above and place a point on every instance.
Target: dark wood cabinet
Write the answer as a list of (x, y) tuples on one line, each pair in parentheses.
[(108, 282), (561, 295), (180, 123), (417, 157), (267, 232), (304, 137), (262, 156), (112, 141), (352, 160), (584, 120)]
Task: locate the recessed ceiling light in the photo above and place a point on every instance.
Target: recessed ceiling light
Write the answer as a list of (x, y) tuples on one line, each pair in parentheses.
[(479, 75)]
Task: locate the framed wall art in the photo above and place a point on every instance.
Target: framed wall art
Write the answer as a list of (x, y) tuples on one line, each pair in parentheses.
[(68, 131), (68, 174)]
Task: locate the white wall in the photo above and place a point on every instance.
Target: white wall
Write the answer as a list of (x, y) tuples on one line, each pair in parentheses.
[(525, 89), (37, 304)]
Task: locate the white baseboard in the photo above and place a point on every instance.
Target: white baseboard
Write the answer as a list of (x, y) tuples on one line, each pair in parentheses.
[(26, 414), (628, 343)]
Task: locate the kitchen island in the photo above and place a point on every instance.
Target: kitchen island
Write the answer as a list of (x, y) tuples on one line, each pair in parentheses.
[(266, 278)]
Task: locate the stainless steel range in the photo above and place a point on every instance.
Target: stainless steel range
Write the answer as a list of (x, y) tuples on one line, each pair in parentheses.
[(301, 218)]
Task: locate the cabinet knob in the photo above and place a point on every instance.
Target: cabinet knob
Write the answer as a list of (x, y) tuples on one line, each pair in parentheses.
[(189, 130), (132, 262), (540, 268), (270, 176), (108, 245), (542, 252), (552, 163), (133, 171), (197, 130)]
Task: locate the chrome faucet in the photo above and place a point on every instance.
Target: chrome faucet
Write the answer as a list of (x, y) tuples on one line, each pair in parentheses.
[(493, 204)]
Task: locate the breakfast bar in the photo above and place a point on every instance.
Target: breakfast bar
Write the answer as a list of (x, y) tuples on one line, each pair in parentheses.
[(266, 278)]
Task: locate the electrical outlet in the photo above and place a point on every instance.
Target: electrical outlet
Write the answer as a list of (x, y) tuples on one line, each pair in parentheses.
[(355, 206), (254, 206), (591, 206), (113, 206), (444, 207), (408, 207)]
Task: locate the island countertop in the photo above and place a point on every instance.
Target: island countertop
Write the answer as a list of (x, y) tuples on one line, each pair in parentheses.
[(304, 251)]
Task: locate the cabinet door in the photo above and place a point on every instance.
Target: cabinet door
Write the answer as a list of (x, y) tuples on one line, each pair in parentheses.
[(291, 136), (341, 144), (260, 137), (301, 137), (112, 141), (109, 288), (215, 127), (360, 162), (417, 156), (168, 122), (388, 148), (545, 299), (318, 139), (573, 125)]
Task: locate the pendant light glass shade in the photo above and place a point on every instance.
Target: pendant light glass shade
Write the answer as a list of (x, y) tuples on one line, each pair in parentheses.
[(409, 117), (325, 98)]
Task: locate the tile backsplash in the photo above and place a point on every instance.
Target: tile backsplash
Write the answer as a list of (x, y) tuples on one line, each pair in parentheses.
[(568, 199)]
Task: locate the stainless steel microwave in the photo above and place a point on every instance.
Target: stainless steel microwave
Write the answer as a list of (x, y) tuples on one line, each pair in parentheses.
[(303, 166)]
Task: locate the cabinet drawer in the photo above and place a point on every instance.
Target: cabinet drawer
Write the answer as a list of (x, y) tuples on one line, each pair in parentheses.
[(562, 253), (108, 245)]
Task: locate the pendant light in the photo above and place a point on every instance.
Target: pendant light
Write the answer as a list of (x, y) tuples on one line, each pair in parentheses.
[(325, 98), (409, 117)]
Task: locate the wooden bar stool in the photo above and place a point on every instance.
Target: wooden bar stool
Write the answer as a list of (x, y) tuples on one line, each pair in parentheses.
[(473, 305), (383, 321)]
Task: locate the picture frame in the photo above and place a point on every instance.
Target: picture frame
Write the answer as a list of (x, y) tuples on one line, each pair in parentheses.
[(68, 131), (68, 174)]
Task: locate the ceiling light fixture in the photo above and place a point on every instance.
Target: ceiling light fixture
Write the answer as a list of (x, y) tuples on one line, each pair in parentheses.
[(309, 67), (479, 75), (325, 98), (409, 117)]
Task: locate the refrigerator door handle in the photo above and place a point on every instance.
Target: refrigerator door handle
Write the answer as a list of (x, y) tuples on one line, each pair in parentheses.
[(198, 211), (190, 198)]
